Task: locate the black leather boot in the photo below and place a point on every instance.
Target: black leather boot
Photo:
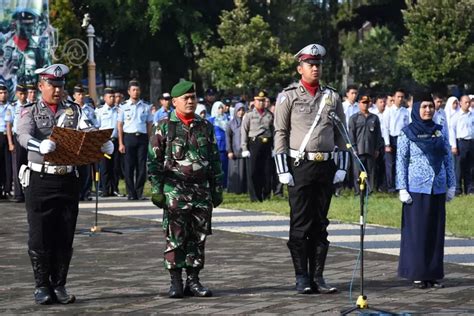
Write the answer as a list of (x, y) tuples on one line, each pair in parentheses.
[(40, 261), (300, 262), (59, 270), (317, 259), (176, 288), (193, 286)]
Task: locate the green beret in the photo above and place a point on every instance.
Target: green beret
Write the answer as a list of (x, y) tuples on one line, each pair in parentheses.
[(181, 88)]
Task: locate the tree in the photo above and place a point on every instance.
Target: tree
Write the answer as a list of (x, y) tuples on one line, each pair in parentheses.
[(250, 56), (374, 59), (439, 48)]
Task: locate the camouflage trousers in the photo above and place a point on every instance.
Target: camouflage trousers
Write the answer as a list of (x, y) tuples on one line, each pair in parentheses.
[(186, 223)]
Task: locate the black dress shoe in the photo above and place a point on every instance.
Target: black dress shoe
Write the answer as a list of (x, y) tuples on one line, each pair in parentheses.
[(435, 284), (62, 296), (195, 288), (131, 198), (43, 296), (420, 284)]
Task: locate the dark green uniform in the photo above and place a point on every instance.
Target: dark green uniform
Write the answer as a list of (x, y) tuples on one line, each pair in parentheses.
[(186, 176)]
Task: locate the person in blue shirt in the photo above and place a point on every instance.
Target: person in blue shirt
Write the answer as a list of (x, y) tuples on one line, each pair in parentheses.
[(134, 124), (220, 122), (5, 162), (165, 108), (109, 168), (425, 178)]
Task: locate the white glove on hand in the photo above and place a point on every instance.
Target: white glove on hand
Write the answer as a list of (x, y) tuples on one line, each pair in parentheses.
[(450, 194), (286, 178), (245, 154), (107, 148), (405, 197), (339, 176), (47, 146)]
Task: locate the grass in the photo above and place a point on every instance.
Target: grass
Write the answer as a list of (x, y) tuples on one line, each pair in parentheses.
[(382, 209)]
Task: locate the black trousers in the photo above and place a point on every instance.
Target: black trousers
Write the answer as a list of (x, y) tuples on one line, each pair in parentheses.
[(466, 161), (136, 147), (369, 164), (19, 158), (3, 162), (390, 159), (109, 171), (380, 181), (260, 169), (85, 176), (52, 206), (310, 199)]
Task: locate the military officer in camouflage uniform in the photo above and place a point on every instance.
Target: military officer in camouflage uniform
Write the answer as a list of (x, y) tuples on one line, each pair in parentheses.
[(305, 140), (186, 177), (51, 191)]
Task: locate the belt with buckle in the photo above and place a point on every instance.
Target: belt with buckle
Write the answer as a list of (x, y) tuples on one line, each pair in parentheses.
[(314, 156), (50, 169), (262, 139)]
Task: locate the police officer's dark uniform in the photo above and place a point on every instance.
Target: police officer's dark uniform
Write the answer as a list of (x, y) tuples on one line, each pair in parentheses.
[(305, 141), (257, 141), (51, 191)]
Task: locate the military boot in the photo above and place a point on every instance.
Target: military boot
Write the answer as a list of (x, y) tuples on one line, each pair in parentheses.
[(193, 286), (176, 288), (59, 271), (40, 261), (317, 260), (300, 260)]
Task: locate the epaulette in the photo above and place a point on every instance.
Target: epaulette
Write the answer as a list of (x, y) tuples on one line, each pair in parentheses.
[(330, 88), (29, 104), (292, 86), (71, 103)]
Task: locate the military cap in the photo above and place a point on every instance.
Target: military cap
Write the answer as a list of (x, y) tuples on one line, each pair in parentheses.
[(262, 94), (134, 83), (165, 96), (31, 87), (181, 88), (109, 90), (227, 101), (54, 74), (3, 86), (20, 88), (312, 54), (79, 88), (364, 99)]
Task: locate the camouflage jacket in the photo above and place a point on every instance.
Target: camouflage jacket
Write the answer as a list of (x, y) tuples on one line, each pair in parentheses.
[(188, 156)]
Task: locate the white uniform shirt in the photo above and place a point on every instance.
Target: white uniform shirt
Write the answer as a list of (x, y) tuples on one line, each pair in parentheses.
[(462, 127), (349, 110), (395, 118)]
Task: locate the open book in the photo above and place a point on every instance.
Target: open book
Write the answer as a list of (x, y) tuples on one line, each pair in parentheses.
[(75, 147)]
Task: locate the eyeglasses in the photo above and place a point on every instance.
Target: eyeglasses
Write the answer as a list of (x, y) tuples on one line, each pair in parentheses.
[(191, 97)]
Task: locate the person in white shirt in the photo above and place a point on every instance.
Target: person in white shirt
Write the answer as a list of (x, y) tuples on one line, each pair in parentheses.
[(461, 139), (395, 118), (439, 116), (350, 105)]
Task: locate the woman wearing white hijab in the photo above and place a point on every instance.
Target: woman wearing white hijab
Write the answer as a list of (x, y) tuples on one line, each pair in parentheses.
[(220, 122)]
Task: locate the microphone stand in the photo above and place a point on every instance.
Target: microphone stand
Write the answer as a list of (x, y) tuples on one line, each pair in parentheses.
[(362, 304)]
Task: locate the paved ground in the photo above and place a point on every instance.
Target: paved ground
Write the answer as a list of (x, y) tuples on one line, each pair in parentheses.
[(249, 275)]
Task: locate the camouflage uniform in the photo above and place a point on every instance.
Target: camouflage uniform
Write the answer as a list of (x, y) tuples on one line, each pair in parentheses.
[(184, 168)]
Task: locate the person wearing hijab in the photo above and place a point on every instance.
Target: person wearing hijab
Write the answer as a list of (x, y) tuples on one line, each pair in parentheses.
[(425, 178), (201, 111), (220, 122), (237, 171), (452, 108)]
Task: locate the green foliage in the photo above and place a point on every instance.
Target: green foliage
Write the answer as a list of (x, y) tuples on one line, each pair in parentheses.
[(440, 45), (373, 59), (250, 56)]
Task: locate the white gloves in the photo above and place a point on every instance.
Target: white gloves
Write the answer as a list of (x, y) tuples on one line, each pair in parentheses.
[(450, 194), (47, 146), (339, 176), (405, 197), (245, 154), (286, 178), (107, 148)]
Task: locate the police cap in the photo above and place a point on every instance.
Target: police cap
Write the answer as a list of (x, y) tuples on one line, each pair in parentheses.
[(31, 87), (261, 95), (21, 88), (210, 91), (311, 54), (165, 96), (109, 90), (181, 88), (54, 74), (364, 99), (3, 86), (79, 88)]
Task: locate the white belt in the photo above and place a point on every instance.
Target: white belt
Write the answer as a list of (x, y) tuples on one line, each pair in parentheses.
[(316, 156), (60, 170)]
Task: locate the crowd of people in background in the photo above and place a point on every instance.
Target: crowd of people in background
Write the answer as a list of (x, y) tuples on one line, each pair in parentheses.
[(244, 133)]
